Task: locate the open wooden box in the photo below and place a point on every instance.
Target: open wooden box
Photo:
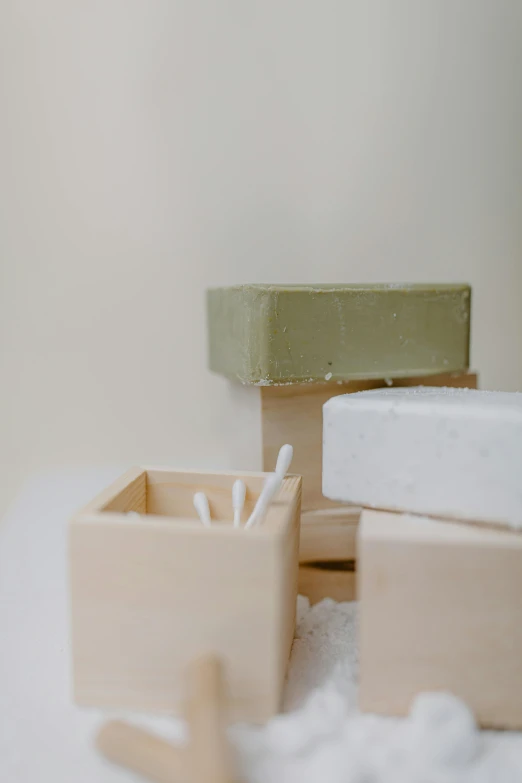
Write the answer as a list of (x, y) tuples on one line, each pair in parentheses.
[(151, 592)]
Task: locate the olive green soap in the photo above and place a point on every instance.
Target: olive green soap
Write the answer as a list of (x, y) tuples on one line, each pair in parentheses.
[(280, 334)]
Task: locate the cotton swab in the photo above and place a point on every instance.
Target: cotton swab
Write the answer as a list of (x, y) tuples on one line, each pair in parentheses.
[(202, 508), (238, 500), (271, 487), (284, 458)]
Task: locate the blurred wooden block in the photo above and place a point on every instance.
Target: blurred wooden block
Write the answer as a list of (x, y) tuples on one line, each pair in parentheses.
[(329, 535), (328, 580), (440, 609), (207, 756), (206, 713), (142, 752)]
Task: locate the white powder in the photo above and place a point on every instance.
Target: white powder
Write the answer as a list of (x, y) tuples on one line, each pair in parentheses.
[(326, 740)]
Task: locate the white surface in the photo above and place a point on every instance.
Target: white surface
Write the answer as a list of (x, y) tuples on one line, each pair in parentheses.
[(446, 452), (151, 149), (45, 739)]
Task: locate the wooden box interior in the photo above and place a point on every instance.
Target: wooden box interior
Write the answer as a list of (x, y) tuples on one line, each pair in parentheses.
[(167, 493)]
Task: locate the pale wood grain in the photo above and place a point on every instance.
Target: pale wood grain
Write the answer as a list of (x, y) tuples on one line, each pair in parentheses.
[(329, 534), (317, 583), (440, 609), (209, 753), (142, 752), (207, 756)]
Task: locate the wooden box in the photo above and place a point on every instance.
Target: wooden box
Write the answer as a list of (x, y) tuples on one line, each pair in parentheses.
[(440, 609), (151, 592)]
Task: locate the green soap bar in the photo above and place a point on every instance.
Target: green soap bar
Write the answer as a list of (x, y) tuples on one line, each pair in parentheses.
[(280, 334)]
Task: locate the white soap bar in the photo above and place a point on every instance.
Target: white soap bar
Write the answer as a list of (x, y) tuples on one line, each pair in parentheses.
[(454, 453)]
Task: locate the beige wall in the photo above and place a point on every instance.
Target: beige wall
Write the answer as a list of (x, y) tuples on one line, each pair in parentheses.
[(149, 149)]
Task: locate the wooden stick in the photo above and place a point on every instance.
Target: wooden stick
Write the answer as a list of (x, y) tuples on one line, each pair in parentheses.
[(207, 759), (141, 752), (209, 751)]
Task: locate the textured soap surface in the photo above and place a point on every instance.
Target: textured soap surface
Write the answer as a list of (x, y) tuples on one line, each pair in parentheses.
[(454, 453), (269, 334)]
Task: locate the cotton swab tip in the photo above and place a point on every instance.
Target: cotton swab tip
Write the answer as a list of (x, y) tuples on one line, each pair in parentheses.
[(238, 500), (202, 508), (284, 458), (270, 489)]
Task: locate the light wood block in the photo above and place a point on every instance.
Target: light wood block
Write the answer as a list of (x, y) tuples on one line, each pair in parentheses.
[(206, 715), (329, 535), (440, 609), (142, 752), (207, 755), (151, 593)]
